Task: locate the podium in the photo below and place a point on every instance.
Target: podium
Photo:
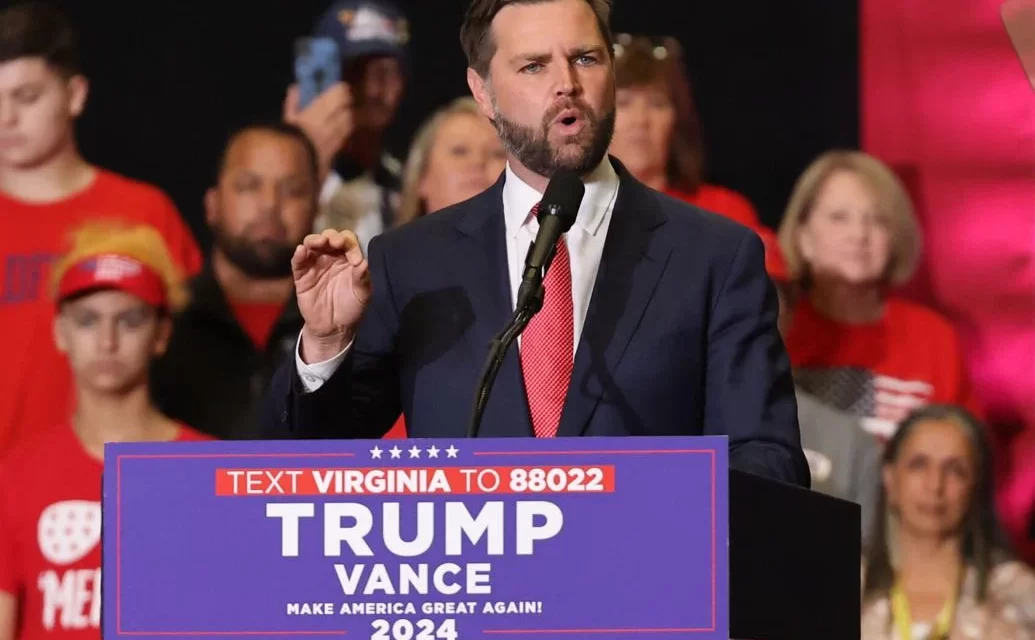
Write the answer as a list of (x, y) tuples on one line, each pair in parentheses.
[(476, 538), (794, 562)]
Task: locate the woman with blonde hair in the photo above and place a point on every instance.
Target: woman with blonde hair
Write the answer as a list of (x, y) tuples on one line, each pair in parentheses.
[(455, 155), (657, 134), (850, 236), (940, 566)]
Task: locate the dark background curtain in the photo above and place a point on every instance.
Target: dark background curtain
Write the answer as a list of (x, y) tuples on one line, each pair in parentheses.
[(776, 82)]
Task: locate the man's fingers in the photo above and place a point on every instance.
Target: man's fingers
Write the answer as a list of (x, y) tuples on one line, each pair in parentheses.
[(355, 256), (339, 126), (353, 251), (291, 104), (337, 99), (314, 241), (335, 240), (301, 262), (334, 100), (361, 281)]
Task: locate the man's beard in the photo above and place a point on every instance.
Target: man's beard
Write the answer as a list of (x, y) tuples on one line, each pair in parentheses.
[(262, 260), (533, 149)]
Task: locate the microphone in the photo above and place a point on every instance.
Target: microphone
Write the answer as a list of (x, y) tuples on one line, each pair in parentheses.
[(557, 212)]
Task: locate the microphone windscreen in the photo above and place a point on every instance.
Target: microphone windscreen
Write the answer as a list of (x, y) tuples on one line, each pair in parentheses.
[(563, 196)]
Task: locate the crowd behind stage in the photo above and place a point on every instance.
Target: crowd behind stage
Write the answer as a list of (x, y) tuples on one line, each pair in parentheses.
[(115, 327)]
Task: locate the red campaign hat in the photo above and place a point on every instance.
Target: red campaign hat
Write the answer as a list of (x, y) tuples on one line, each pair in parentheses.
[(113, 271), (775, 263)]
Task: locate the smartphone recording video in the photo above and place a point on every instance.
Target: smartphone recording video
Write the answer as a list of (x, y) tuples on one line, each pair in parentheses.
[(317, 67)]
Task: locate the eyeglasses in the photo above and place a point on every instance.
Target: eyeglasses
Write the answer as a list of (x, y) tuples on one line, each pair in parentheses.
[(662, 48)]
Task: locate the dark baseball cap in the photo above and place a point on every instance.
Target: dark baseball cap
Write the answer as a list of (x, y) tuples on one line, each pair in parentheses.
[(365, 28)]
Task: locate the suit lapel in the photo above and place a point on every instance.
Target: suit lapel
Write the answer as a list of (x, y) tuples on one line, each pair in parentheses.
[(633, 260), (479, 264)]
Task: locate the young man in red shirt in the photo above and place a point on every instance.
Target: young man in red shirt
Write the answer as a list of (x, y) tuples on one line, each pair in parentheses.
[(46, 189), (115, 292)]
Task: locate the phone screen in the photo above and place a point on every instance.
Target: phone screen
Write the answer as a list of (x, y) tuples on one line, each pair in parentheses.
[(317, 67)]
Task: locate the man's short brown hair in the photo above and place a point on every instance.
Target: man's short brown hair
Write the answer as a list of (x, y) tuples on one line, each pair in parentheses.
[(39, 30), (476, 31)]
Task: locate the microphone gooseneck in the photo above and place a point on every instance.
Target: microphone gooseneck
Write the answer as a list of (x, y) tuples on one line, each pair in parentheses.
[(557, 212)]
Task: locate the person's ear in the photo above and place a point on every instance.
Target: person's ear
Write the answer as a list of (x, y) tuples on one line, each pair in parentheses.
[(806, 245), (78, 90), (212, 207), (59, 334), (162, 335), (481, 90)]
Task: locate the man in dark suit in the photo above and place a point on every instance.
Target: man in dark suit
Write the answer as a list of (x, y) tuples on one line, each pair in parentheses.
[(659, 318)]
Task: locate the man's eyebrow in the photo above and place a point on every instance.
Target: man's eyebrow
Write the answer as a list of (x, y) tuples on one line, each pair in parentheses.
[(530, 57), (588, 49), (575, 52)]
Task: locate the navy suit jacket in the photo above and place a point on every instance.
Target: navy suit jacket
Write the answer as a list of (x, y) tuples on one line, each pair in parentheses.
[(680, 337)]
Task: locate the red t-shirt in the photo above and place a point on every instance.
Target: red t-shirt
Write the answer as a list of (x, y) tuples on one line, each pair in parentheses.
[(35, 381), (257, 319), (721, 200), (50, 517), (880, 371)]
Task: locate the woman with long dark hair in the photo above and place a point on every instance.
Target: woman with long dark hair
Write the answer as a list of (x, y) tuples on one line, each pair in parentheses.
[(940, 566)]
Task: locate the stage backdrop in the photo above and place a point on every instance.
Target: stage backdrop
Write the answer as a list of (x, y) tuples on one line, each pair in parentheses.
[(945, 99)]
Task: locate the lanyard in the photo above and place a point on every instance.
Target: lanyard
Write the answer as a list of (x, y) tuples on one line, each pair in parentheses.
[(904, 620)]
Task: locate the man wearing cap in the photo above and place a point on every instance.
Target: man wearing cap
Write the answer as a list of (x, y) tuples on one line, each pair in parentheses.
[(347, 124), (114, 291), (843, 458)]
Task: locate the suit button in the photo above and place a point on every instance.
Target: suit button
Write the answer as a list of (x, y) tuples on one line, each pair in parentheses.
[(283, 416)]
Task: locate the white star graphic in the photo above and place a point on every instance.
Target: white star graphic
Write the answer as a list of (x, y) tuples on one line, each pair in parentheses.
[(451, 451), (414, 451), (433, 451), (376, 453), (395, 451)]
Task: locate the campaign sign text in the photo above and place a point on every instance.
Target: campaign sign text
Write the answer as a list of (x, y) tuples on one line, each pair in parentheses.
[(417, 539)]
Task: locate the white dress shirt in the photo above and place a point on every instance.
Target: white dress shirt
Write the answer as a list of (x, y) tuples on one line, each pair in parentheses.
[(585, 246)]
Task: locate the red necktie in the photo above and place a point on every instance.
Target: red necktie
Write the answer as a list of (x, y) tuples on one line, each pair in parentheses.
[(547, 346)]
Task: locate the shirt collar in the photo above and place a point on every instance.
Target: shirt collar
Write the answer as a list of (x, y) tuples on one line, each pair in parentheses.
[(601, 188)]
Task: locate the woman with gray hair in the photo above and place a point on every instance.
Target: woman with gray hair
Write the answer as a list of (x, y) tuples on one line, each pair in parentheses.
[(940, 566)]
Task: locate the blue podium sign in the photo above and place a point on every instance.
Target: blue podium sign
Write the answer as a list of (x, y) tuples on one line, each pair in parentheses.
[(417, 539)]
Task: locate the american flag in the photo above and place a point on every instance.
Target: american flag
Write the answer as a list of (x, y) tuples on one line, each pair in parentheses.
[(113, 268), (880, 401)]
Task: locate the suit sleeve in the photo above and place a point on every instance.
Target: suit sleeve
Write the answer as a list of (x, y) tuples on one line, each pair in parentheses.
[(749, 391), (361, 399)]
